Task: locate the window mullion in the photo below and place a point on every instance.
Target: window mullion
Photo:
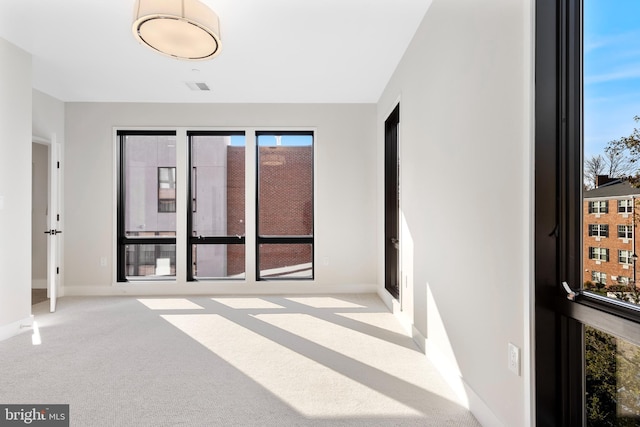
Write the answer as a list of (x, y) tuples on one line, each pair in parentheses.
[(181, 204)]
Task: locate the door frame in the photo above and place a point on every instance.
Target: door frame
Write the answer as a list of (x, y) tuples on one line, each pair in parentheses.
[(53, 220), (392, 257)]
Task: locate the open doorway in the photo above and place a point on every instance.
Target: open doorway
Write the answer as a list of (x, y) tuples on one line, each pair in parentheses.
[(39, 221), (45, 221)]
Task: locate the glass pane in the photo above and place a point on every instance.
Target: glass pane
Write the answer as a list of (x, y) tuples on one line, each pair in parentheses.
[(149, 185), (285, 185), (612, 367), (150, 261), (217, 185), (611, 148), (286, 261), (219, 261)]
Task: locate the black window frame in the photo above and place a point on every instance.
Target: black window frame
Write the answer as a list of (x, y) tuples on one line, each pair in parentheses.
[(122, 240), (192, 208), (559, 321), (284, 240)]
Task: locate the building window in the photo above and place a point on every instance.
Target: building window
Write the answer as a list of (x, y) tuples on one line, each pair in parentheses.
[(599, 207), (599, 254), (599, 230), (284, 205), (624, 256), (625, 231), (624, 280), (166, 189), (599, 277), (216, 223), (625, 206), (146, 241)]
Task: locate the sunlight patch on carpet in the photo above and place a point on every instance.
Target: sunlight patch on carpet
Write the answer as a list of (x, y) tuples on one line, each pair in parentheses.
[(170, 304), (324, 302), (247, 303), (286, 373), (372, 351)]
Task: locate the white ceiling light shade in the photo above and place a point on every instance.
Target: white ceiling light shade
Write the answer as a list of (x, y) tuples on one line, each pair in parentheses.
[(184, 29)]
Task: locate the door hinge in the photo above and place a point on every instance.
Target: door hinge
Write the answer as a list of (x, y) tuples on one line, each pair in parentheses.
[(58, 217), (57, 270), (58, 165)]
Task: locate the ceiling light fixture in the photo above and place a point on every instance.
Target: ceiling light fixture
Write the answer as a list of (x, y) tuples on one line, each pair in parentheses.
[(184, 29)]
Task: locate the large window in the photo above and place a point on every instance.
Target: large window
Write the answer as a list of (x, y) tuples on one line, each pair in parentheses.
[(587, 357), (146, 206), (285, 205), (216, 212), (207, 194)]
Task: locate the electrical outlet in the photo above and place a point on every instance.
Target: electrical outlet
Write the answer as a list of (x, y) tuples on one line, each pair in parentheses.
[(514, 359)]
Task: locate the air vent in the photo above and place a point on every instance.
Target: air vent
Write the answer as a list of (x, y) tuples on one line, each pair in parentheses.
[(197, 86)]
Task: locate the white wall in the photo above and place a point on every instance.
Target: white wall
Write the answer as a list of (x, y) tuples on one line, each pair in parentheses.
[(464, 87), (345, 170), (15, 189), (48, 117)]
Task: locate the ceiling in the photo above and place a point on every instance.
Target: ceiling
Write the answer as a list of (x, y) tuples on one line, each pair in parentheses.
[(314, 51)]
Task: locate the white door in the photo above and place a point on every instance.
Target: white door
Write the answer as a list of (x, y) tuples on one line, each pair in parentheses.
[(53, 241)]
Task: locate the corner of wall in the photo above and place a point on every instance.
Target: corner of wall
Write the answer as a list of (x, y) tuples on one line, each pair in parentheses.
[(15, 328), (467, 396)]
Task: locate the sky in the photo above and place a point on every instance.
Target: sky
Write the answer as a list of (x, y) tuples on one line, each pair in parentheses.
[(270, 140), (611, 71)]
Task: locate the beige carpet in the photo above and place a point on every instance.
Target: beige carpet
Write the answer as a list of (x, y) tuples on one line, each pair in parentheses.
[(203, 361)]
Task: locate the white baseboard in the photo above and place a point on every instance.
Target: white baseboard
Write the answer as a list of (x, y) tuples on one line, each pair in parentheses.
[(200, 288), (15, 328), (38, 283), (388, 300), (480, 410), (467, 396)]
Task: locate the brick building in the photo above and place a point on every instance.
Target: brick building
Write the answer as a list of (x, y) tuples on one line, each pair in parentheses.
[(609, 233), (286, 206)]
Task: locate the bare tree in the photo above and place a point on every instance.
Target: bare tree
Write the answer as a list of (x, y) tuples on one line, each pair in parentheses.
[(618, 163), (593, 166), (629, 148), (619, 160)]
